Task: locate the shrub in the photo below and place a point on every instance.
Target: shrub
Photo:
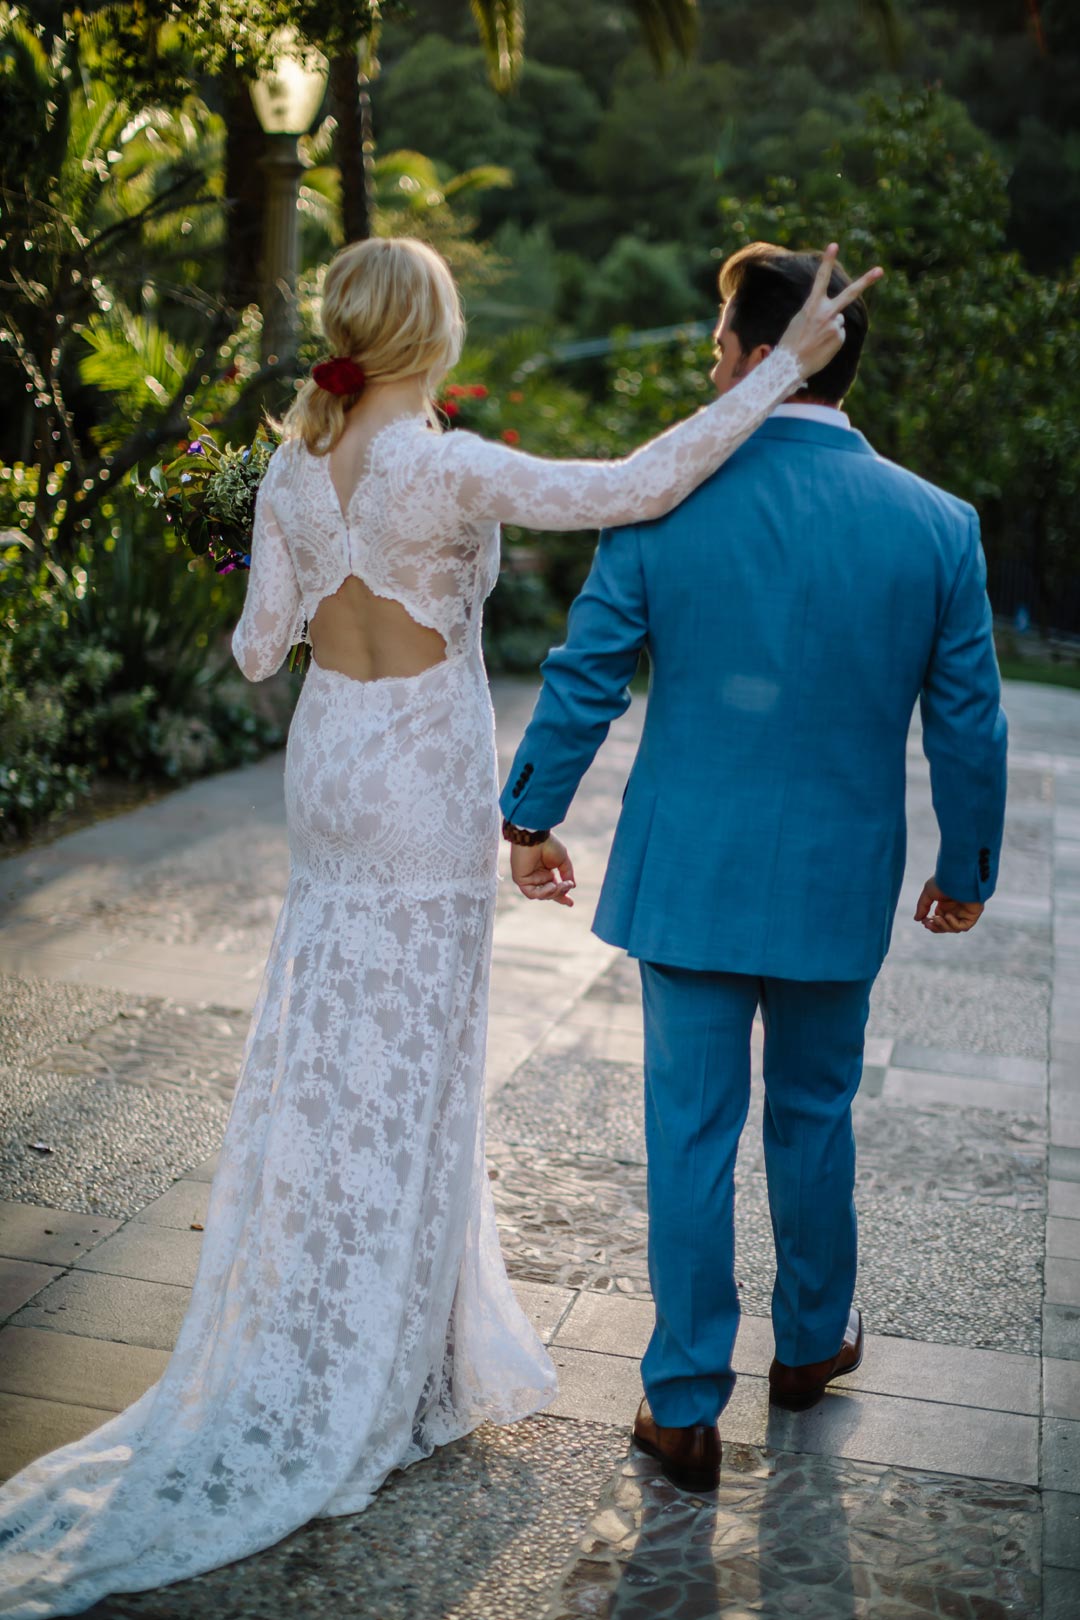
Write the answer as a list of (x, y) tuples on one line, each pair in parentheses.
[(115, 668)]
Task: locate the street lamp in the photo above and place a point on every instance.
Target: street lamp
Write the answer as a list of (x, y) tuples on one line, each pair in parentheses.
[(286, 100)]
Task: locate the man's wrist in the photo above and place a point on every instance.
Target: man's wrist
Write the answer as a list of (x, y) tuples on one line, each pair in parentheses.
[(524, 835)]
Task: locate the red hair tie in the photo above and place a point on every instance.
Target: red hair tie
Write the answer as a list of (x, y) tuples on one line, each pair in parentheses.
[(339, 375)]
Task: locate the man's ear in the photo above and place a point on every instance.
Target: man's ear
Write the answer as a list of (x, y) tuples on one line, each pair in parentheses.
[(756, 356)]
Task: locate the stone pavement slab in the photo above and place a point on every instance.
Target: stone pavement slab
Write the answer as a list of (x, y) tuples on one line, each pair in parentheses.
[(950, 1439), (1061, 1388), (76, 1371), (1063, 1198), (1061, 1529), (952, 1374), (960, 1091), (1061, 1332), (159, 1254), (182, 1207), (1063, 1161), (124, 1309), (978, 1065), (21, 1280), (1062, 1281), (1061, 1454), (1063, 1238), (53, 1237), (29, 1428)]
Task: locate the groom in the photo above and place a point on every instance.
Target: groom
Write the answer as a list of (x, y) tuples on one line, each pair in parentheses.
[(794, 608)]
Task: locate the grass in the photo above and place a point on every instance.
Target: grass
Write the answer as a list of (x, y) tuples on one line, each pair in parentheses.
[(1048, 674)]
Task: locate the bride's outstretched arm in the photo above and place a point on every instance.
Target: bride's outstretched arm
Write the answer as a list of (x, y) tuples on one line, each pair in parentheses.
[(492, 481)]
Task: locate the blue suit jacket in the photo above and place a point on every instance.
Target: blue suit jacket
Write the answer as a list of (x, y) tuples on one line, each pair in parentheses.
[(794, 608)]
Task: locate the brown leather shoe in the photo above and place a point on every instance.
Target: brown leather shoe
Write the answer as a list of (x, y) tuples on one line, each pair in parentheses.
[(690, 1458), (796, 1388)]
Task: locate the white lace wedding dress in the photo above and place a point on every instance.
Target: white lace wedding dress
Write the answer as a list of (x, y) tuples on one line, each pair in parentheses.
[(351, 1310)]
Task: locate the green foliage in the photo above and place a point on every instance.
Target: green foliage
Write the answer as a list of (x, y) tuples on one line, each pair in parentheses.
[(438, 100), (114, 667), (972, 370), (103, 226), (639, 284)]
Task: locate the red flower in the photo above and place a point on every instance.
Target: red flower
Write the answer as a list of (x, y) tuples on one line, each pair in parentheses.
[(449, 408), (511, 436), (455, 391), (478, 391), (516, 397)]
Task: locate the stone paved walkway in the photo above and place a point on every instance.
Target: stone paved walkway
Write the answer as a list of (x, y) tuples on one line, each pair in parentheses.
[(942, 1479)]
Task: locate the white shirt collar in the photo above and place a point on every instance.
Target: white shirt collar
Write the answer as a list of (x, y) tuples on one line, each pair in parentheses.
[(815, 413)]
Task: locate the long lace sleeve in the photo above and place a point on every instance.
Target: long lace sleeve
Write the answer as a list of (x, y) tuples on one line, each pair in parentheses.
[(492, 481), (273, 616)]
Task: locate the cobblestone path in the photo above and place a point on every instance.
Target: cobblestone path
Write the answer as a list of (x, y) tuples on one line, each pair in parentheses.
[(944, 1479)]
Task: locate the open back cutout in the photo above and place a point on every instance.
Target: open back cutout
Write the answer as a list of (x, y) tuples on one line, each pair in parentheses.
[(370, 637)]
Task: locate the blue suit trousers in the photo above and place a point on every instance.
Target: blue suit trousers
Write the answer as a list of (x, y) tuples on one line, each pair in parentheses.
[(697, 1095)]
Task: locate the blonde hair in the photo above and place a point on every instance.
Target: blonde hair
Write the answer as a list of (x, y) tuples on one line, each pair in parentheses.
[(391, 305)]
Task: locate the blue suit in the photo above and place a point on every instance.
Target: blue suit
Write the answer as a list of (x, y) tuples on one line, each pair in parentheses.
[(794, 609)]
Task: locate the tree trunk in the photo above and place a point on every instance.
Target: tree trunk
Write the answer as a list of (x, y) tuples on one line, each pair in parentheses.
[(350, 107), (245, 185)]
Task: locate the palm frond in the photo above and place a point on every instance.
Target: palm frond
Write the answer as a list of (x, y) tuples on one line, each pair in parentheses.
[(133, 360), (485, 177), (882, 15), (501, 26), (668, 27), (408, 179)]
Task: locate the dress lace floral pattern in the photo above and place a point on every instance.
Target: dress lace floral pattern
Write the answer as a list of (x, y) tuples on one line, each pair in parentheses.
[(351, 1310)]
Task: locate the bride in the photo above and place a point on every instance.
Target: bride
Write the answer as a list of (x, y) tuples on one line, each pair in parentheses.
[(351, 1310)]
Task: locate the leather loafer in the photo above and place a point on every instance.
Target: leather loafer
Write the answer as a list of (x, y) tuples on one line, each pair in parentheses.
[(796, 1388), (689, 1457)]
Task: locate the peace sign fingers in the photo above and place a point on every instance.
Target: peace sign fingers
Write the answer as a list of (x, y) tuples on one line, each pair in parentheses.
[(816, 333), (849, 294)]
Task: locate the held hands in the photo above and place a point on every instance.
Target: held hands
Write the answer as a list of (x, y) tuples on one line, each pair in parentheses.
[(816, 333), (940, 915), (543, 871)]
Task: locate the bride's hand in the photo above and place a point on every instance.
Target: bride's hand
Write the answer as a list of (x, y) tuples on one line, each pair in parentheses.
[(816, 333)]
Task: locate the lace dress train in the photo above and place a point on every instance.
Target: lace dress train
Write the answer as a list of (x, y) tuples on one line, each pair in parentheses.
[(351, 1310)]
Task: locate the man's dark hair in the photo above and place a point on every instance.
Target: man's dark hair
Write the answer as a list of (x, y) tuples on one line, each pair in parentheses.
[(767, 285)]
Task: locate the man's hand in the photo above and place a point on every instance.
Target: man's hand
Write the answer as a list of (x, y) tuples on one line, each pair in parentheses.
[(940, 915), (543, 871)]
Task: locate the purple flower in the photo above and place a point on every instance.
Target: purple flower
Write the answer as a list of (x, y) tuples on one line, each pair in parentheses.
[(195, 448)]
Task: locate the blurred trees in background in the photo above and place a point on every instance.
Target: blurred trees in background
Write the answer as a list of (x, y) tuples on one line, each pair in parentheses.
[(580, 193)]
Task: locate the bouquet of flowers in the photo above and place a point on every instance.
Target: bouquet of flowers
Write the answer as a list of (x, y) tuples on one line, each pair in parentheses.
[(208, 495)]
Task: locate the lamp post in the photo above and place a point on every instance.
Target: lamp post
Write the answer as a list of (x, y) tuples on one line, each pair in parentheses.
[(286, 100)]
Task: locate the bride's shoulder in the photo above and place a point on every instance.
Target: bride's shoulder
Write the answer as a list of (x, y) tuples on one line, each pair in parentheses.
[(288, 462), (288, 450), (460, 447)]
